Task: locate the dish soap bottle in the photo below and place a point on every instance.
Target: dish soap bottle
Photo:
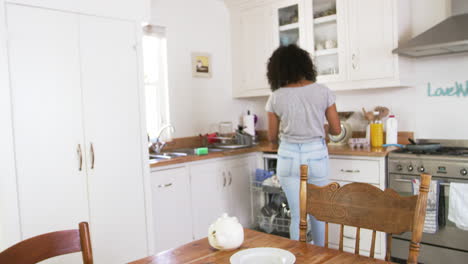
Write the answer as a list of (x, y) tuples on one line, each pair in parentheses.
[(391, 127), (376, 132)]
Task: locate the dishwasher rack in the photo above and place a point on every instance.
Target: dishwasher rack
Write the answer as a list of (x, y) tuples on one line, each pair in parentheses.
[(270, 206)]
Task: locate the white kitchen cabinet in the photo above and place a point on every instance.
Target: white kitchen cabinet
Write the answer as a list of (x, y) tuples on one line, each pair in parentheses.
[(348, 169), (172, 214), (362, 34), (221, 186), (48, 132), (371, 39), (111, 114), (252, 42), (126, 9), (289, 23), (75, 100), (9, 228), (327, 38), (240, 172), (208, 200)]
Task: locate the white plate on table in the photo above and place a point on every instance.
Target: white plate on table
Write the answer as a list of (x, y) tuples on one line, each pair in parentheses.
[(263, 255)]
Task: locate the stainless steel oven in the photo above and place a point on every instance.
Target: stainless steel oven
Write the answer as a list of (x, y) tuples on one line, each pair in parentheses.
[(449, 244)]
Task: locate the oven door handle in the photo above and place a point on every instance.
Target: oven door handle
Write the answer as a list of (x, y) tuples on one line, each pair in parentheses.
[(401, 180), (441, 184)]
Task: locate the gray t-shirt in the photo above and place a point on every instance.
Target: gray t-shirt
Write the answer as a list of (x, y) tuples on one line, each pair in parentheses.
[(301, 111)]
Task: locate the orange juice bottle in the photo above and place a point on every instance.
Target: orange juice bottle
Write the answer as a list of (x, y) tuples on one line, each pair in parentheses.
[(376, 134)]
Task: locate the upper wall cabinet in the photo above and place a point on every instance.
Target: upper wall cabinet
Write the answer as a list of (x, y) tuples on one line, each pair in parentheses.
[(125, 9), (289, 22), (252, 44), (350, 41), (327, 38)]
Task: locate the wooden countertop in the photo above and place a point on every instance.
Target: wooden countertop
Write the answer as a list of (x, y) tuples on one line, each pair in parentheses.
[(266, 147)]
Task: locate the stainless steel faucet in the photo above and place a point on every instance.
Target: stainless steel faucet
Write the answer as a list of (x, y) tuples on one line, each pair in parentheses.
[(156, 144)]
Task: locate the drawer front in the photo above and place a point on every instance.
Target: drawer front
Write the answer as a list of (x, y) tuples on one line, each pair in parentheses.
[(351, 170)]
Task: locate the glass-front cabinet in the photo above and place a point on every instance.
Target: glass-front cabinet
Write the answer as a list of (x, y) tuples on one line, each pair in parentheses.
[(327, 39), (316, 26), (289, 23)]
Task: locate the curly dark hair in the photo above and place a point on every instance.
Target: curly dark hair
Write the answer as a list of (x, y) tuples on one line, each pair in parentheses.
[(289, 64)]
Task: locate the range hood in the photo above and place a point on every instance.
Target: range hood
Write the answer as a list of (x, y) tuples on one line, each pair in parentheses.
[(447, 37)]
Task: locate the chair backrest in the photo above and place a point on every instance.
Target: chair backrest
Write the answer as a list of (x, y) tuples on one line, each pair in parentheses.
[(45, 246), (363, 205)]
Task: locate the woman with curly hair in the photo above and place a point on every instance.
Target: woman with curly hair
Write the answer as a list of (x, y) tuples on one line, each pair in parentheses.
[(297, 109)]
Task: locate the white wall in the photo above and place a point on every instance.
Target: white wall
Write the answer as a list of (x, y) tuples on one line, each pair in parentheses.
[(427, 13), (198, 104)]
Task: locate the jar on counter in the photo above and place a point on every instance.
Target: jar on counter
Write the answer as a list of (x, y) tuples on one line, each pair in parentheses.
[(376, 131)]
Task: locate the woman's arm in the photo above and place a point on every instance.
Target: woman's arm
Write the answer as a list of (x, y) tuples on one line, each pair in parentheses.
[(273, 127), (334, 126)]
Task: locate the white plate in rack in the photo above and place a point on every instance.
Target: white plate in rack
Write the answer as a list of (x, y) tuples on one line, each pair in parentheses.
[(263, 255)]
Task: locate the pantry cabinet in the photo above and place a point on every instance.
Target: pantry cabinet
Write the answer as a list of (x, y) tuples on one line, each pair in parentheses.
[(77, 128), (46, 106), (350, 42), (126, 9), (112, 121), (348, 169), (9, 228)]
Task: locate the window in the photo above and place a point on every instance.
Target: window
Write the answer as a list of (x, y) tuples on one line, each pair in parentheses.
[(155, 74)]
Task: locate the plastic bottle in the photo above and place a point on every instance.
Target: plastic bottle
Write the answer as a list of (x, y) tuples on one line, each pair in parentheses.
[(376, 133), (249, 124), (392, 130)]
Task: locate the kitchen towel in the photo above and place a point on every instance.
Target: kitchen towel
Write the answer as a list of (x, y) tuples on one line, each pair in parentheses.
[(458, 205), (431, 224)]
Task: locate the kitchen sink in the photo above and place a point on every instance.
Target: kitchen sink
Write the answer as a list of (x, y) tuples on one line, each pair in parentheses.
[(235, 146), (191, 151), (167, 155), (182, 152)]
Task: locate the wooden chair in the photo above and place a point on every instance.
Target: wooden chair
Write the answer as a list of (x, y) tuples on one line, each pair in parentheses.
[(365, 206), (42, 247)]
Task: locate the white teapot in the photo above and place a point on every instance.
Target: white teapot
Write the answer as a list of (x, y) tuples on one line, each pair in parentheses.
[(226, 233)]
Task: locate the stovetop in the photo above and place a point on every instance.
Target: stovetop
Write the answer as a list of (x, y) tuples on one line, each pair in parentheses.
[(451, 160), (443, 151)]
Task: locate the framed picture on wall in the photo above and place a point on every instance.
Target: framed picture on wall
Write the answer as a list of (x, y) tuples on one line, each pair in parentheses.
[(201, 64)]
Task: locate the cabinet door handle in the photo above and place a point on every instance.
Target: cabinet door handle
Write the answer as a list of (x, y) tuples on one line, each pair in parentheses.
[(230, 178), (80, 157), (353, 61), (165, 185), (351, 171), (349, 237), (91, 149), (224, 179)]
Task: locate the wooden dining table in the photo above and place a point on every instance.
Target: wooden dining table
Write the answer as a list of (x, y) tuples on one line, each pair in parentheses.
[(200, 252)]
